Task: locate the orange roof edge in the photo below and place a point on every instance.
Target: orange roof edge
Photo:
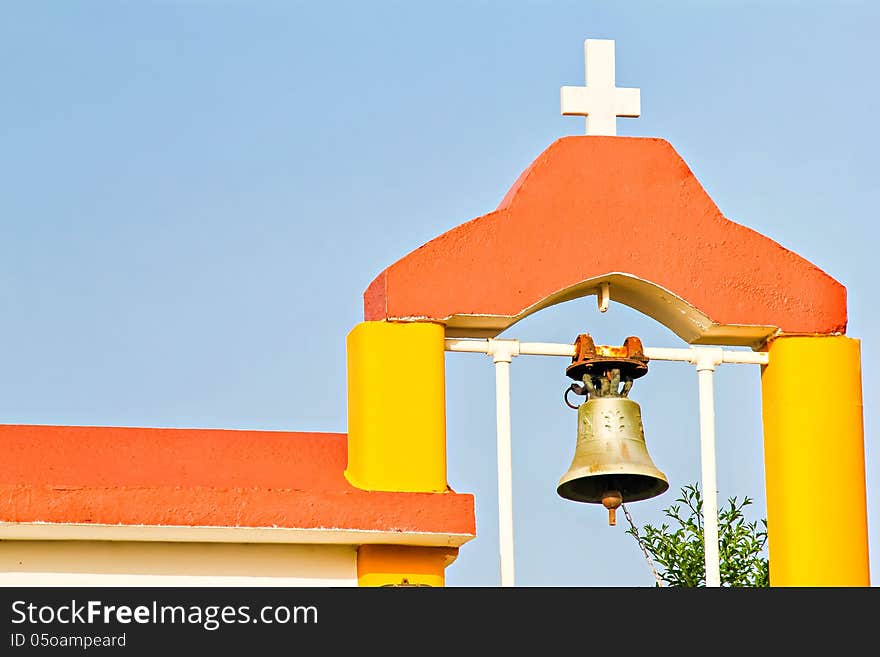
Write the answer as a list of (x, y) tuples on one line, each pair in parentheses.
[(209, 478)]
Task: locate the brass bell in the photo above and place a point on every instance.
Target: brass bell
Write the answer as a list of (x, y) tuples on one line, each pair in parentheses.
[(611, 464)]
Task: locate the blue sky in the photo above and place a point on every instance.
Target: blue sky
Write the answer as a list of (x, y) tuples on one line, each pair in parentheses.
[(196, 194)]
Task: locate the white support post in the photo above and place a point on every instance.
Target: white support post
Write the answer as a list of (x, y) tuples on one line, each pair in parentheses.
[(502, 352), (706, 360)]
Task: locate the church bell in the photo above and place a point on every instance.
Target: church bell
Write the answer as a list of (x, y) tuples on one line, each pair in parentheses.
[(611, 464)]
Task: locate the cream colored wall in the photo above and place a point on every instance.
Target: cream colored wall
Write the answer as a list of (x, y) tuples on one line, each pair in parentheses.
[(130, 563)]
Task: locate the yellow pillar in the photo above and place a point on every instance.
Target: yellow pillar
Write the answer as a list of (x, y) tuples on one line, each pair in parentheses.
[(397, 406), (397, 434), (814, 462), (403, 565)]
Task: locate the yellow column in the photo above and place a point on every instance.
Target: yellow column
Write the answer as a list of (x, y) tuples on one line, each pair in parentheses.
[(397, 434), (403, 565), (814, 462), (397, 406)]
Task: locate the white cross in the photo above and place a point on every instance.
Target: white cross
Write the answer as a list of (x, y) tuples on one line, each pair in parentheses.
[(600, 101)]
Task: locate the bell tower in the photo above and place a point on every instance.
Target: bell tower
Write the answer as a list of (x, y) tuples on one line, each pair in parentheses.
[(667, 252)]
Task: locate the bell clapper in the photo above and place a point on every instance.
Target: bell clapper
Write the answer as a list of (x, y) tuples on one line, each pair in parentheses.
[(611, 500)]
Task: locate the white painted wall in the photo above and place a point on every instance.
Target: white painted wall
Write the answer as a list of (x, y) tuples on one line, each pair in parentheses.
[(141, 563)]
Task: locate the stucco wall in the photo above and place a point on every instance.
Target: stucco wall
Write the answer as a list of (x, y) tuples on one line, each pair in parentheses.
[(124, 563)]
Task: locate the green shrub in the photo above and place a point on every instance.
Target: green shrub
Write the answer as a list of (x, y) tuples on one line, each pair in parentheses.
[(677, 548)]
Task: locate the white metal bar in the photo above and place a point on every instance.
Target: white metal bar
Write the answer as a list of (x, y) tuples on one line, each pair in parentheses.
[(746, 357), (546, 349), (687, 355), (710, 486), (690, 354), (480, 346), (665, 353), (505, 471)]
